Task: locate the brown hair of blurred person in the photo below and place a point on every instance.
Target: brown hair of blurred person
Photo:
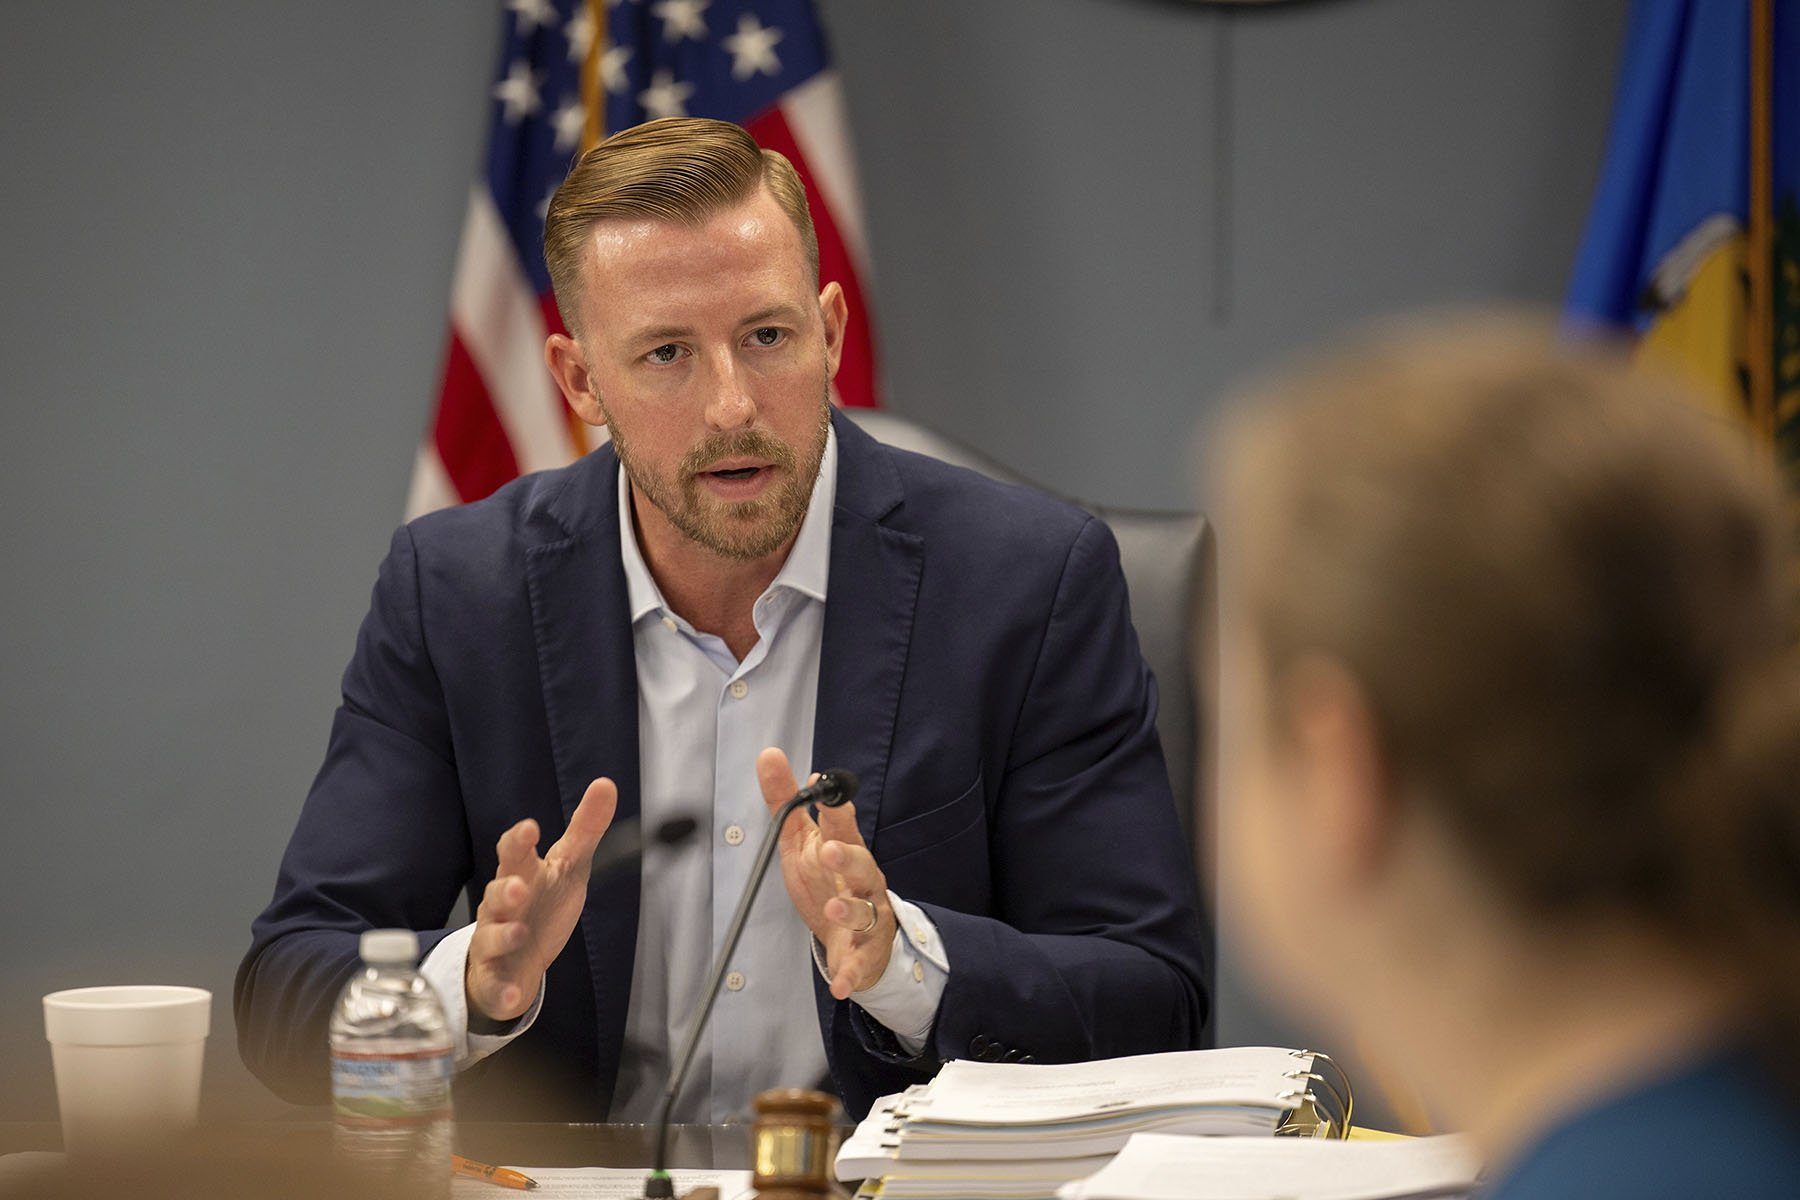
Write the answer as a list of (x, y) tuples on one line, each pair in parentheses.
[(1517, 786), (678, 169)]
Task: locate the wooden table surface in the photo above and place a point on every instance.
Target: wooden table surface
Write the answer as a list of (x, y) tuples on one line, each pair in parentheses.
[(546, 1145), (291, 1158)]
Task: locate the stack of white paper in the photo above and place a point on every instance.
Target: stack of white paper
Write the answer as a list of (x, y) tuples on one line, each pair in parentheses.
[(872, 1153), (1158, 1167), (1009, 1131)]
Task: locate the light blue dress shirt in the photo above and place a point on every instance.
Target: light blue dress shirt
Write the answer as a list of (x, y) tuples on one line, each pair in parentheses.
[(703, 717)]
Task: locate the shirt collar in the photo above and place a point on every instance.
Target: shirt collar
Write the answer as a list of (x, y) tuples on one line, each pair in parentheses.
[(808, 564)]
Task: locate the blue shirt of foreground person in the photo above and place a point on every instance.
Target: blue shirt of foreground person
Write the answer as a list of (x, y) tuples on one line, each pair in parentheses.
[(1011, 881)]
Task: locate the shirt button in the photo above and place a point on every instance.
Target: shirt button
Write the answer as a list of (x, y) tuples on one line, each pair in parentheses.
[(739, 689), (735, 981), (918, 972), (669, 624), (921, 936), (734, 835)]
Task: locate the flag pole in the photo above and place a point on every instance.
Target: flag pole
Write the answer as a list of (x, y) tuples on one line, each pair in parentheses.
[(1760, 334), (1765, 413), (592, 93), (593, 101)]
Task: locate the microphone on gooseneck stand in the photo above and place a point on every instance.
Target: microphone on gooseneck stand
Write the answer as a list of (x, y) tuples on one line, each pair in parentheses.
[(832, 788)]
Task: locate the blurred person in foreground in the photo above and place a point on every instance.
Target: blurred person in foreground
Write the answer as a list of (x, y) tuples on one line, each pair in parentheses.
[(1520, 700), (740, 588)]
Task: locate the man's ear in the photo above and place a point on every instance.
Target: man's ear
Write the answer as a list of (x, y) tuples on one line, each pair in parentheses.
[(568, 365), (1346, 794), (836, 314)]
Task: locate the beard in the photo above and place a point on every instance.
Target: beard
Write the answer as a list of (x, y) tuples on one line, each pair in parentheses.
[(743, 530)]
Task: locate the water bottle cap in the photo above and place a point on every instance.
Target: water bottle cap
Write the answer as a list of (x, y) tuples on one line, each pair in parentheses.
[(388, 945)]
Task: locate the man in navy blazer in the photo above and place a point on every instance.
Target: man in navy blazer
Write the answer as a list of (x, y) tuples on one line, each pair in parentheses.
[(1014, 838)]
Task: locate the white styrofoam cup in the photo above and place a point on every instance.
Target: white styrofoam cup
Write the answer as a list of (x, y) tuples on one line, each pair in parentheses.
[(127, 1063)]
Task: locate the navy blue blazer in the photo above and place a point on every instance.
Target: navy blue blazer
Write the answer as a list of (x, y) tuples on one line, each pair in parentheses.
[(978, 670)]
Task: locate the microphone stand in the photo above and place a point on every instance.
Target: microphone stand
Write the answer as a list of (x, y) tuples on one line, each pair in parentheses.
[(834, 787)]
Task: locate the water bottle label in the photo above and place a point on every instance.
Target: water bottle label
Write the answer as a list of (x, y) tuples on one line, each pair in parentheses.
[(390, 1089)]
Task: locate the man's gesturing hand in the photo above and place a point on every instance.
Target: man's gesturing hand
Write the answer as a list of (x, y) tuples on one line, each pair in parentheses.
[(531, 907), (833, 880)]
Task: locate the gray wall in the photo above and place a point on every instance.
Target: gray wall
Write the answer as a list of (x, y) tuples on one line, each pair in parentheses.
[(228, 233)]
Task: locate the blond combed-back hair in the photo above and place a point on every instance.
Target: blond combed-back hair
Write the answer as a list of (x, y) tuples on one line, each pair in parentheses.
[(679, 169)]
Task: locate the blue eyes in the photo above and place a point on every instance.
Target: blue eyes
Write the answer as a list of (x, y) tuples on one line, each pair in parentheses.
[(767, 336)]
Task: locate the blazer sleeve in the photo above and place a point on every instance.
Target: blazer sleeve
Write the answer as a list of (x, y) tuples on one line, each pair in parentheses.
[(382, 842), (1091, 945)]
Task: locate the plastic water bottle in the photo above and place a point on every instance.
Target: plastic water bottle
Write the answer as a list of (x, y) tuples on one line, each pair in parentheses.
[(391, 1069)]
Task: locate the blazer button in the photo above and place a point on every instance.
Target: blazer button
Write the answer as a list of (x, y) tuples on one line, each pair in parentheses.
[(1015, 1055), (978, 1045), (993, 1052)]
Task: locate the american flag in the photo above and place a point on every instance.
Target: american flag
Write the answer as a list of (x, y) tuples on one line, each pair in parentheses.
[(570, 72)]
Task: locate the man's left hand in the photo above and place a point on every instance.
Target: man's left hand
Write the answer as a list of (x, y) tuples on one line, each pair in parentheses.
[(833, 881)]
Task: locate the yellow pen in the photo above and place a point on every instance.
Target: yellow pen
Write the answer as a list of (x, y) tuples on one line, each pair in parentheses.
[(504, 1176)]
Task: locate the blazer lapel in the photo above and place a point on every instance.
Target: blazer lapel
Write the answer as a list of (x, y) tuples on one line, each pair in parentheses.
[(588, 668), (870, 598)]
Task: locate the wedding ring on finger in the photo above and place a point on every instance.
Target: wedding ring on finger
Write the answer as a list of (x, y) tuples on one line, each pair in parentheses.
[(873, 914)]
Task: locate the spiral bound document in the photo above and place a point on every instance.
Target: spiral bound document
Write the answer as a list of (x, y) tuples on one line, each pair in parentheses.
[(1009, 1131)]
